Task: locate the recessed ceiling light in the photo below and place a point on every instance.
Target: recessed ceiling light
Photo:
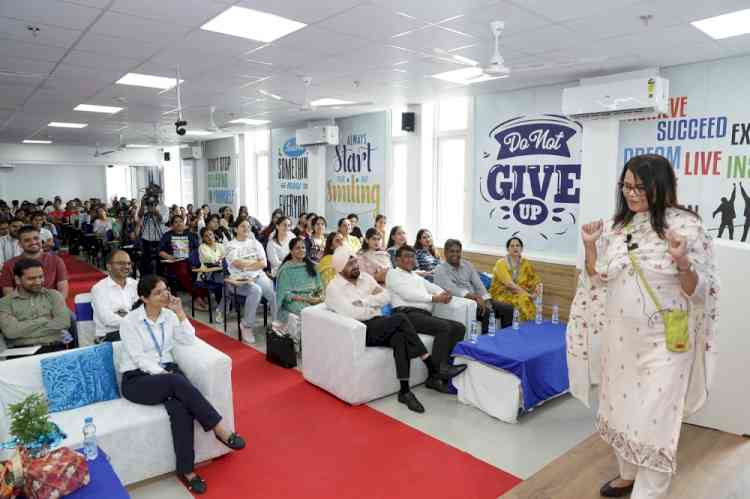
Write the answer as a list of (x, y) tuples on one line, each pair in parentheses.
[(90, 108), (250, 121), (138, 146), (30, 141), (726, 25), (400, 63), (327, 101), (149, 81), (199, 132), (465, 60), (466, 76), (60, 124), (269, 94), (252, 24)]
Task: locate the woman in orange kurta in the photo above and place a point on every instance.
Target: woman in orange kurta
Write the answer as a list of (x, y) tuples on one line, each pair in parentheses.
[(514, 280)]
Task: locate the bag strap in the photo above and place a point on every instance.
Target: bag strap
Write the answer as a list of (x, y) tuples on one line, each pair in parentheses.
[(639, 271)]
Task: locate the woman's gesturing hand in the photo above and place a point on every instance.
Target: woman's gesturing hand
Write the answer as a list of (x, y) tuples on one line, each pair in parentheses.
[(676, 245), (591, 232)]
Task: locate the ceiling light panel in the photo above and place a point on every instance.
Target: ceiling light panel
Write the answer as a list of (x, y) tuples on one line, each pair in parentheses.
[(466, 76), (250, 121), (726, 25), (31, 141), (148, 81), (199, 133), (138, 146), (60, 124), (327, 101), (90, 108), (252, 24)]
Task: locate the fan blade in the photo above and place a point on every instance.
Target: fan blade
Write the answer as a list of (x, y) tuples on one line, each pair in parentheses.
[(577, 62), (352, 104)]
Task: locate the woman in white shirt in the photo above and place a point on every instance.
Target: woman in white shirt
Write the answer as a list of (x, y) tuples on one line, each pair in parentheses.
[(278, 246), (150, 375)]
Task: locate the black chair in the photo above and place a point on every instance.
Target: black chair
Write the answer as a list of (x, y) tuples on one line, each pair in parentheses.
[(204, 281)]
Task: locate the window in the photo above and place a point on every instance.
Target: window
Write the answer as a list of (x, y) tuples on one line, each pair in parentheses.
[(119, 182), (453, 114), (451, 175), (398, 212), (257, 196), (264, 186), (187, 170), (178, 179)]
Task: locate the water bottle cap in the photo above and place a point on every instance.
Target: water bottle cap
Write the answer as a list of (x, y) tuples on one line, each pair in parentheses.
[(88, 419)]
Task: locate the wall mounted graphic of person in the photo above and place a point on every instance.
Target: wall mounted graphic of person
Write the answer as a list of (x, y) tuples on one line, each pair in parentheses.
[(747, 212), (726, 208)]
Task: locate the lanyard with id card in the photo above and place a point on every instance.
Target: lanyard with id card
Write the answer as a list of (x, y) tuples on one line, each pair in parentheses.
[(156, 343)]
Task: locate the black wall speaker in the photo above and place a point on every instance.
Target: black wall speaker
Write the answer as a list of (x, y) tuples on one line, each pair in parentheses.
[(407, 121), (166, 156)]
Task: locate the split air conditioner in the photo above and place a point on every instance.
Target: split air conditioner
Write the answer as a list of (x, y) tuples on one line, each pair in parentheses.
[(192, 152), (318, 135), (645, 94)]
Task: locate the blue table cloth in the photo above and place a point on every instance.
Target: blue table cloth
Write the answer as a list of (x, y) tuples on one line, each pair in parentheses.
[(104, 481), (534, 353)]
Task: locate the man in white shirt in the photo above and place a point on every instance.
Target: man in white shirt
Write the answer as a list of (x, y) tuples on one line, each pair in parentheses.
[(246, 260), (45, 235), (9, 245), (358, 295), (113, 297), (414, 296)]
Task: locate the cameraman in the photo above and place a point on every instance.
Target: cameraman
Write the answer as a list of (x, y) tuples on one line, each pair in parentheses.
[(152, 230)]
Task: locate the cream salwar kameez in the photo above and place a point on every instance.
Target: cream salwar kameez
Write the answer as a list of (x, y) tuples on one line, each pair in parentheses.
[(645, 389)]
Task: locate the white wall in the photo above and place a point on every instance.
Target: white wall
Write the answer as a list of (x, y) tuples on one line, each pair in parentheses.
[(65, 171)]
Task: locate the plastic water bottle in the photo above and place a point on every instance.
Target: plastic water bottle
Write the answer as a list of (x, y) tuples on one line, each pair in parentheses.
[(492, 325), (555, 314), (516, 319), (539, 318), (474, 333), (89, 439)]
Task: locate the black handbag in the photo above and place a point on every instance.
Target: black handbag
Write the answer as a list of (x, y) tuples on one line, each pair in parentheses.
[(280, 349)]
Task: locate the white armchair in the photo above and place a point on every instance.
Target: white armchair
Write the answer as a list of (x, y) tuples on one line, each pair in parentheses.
[(335, 358)]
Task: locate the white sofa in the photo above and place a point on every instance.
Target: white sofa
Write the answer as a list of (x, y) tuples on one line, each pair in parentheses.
[(137, 438), (334, 356)]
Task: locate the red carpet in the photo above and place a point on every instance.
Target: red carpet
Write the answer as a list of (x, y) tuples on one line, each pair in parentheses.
[(303, 442)]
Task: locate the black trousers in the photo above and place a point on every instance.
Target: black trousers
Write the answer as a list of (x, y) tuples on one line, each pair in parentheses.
[(184, 404), (729, 226), (446, 332), (150, 257), (396, 332), (503, 315), (109, 337)]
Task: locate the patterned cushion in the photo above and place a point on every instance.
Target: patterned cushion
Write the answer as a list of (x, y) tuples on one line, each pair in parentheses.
[(80, 377)]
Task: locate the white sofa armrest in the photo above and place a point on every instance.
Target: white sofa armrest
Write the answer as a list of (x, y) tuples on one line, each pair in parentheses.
[(210, 371), (458, 309)]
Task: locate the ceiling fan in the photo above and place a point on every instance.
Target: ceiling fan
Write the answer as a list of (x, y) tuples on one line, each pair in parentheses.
[(496, 67), (307, 105)]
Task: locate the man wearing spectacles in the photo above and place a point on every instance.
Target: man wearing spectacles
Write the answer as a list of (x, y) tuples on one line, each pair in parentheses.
[(113, 297)]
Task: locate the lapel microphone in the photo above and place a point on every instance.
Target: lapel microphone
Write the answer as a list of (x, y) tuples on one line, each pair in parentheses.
[(628, 242)]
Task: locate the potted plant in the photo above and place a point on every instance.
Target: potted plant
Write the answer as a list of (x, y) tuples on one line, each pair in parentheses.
[(30, 426)]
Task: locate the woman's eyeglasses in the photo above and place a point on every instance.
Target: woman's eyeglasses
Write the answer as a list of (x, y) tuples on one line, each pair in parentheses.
[(638, 190)]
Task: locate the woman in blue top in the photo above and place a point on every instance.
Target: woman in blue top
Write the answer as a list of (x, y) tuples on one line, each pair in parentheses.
[(427, 259)]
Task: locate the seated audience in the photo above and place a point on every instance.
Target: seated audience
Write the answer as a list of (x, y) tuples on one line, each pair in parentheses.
[(325, 267), (372, 259), (150, 375), (113, 297), (354, 220), (55, 273), (380, 226), (45, 235), (151, 232), (226, 214), (278, 246), (265, 234), (358, 296), (10, 247), (414, 296), (211, 254), (459, 277), (316, 243), (246, 261), (301, 229), (353, 243), (32, 314), (514, 281), (396, 239), (221, 233), (297, 283), (4, 228), (427, 259), (102, 223), (176, 247)]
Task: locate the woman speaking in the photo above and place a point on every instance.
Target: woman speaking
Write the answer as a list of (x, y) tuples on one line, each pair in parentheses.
[(150, 375), (649, 295)]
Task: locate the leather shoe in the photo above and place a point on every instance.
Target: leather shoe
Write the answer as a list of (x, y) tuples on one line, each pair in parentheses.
[(411, 402), (608, 490), (234, 442), (195, 485), (447, 371), (437, 384)]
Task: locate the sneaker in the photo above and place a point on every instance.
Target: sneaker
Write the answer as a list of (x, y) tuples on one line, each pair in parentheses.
[(410, 400), (218, 317), (248, 335)]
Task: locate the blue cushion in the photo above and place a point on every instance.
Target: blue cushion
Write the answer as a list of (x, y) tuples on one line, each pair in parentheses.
[(80, 377), (387, 310), (486, 279)]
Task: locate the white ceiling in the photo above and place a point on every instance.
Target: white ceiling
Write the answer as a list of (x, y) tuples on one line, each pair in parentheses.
[(84, 46)]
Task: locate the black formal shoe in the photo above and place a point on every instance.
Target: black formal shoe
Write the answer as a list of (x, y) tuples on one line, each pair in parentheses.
[(234, 441), (447, 371), (437, 384), (195, 484), (411, 402), (608, 490)]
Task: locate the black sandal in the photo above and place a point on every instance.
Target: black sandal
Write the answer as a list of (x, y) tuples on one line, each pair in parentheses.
[(234, 442), (608, 490), (195, 484)]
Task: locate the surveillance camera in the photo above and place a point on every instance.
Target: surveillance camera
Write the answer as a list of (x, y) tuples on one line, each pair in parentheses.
[(180, 127)]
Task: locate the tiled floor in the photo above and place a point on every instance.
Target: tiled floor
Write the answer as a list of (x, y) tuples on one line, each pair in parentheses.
[(521, 449)]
